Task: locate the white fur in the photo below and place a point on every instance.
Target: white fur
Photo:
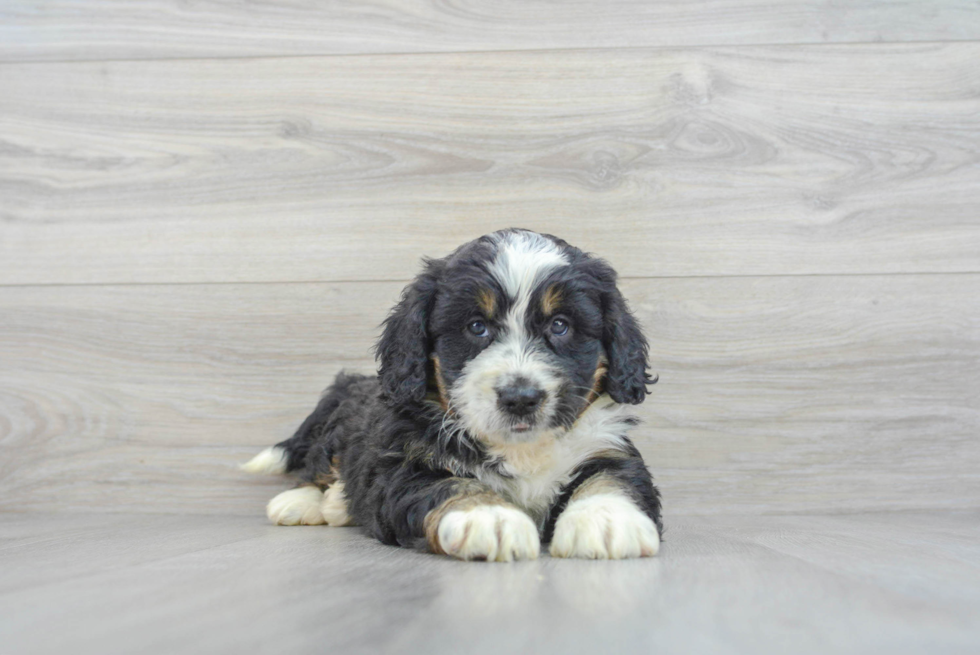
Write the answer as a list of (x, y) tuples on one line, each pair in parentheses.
[(299, 506), (271, 461), (523, 259), (491, 532), (604, 526), (537, 471), (474, 395), (334, 506)]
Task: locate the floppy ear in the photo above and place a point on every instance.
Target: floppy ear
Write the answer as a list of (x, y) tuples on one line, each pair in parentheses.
[(626, 347), (403, 349)]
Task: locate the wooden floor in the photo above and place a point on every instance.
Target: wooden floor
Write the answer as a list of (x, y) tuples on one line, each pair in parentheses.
[(864, 583)]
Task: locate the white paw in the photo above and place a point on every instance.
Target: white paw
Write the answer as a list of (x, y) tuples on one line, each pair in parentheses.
[(490, 532), (299, 506), (334, 506), (604, 526)]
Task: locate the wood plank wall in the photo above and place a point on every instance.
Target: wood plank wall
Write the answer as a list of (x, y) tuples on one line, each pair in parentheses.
[(207, 208)]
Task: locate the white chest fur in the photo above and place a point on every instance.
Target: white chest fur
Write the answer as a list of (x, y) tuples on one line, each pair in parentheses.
[(533, 473)]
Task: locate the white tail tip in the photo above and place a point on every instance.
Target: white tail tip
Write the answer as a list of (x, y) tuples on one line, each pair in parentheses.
[(271, 461)]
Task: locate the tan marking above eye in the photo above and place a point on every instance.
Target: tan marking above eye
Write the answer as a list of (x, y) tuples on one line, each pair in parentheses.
[(487, 301), (551, 300)]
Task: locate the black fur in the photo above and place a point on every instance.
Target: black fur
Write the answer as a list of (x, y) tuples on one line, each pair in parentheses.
[(630, 470), (394, 466), (383, 435), (624, 343), (403, 350)]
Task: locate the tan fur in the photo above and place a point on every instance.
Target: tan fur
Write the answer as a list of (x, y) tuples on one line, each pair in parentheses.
[(611, 453), (487, 301), (598, 380), (551, 300), (601, 483), (440, 384), (534, 472), (323, 480)]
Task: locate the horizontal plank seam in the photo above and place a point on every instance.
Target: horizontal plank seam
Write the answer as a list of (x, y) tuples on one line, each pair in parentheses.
[(665, 48), (851, 511), (407, 280)]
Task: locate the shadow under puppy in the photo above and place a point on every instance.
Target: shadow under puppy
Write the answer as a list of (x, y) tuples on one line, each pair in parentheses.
[(498, 419)]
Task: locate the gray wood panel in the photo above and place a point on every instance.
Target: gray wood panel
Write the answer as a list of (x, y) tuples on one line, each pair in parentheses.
[(868, 583), (153, 29), (776, 394), (771, 160)]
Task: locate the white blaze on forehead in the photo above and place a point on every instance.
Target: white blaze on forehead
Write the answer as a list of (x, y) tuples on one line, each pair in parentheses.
[(523, 259)]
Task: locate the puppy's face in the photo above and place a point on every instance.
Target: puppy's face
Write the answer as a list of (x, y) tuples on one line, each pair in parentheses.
[(516, 338), (518, 333)]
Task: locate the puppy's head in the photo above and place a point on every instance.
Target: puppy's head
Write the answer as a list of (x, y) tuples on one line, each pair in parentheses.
[(515, 333)]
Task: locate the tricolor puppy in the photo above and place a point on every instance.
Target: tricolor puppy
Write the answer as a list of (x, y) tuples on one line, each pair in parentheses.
[(498, 419)]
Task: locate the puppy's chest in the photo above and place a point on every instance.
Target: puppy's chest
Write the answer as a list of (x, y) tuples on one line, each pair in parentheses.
[(532, 475)]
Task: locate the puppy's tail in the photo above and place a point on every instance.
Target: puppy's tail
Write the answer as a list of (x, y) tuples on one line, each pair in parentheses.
[(271, 461), (291, 454)]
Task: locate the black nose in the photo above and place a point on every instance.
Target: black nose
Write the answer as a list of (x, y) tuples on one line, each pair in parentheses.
[(519, 399)]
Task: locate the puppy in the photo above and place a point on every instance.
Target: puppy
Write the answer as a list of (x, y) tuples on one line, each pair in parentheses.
[(498, 419)]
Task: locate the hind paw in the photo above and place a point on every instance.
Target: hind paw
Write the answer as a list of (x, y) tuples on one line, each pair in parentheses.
[(299, 506)]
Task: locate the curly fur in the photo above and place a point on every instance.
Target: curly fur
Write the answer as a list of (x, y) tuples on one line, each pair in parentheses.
[(511, 312)]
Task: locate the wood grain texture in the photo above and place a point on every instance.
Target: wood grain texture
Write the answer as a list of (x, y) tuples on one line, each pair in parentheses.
[(157, 29), (776, 394), (869, 583), (744, 161)]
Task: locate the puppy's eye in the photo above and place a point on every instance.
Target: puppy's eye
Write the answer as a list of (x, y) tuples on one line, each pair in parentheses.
[(478, 329), (559, 327)]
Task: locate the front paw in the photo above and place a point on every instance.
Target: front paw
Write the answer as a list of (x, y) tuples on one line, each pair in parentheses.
[(489, 532), (605, 526)]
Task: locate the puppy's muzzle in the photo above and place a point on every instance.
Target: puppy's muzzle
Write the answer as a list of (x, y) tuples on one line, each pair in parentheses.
[(520, 399)]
